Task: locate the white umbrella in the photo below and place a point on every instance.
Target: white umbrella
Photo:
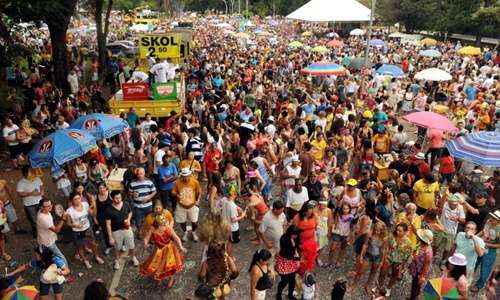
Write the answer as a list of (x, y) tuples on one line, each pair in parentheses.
[(357, 31), (224, 25), (433, 74), (396, 35), (139, 27)]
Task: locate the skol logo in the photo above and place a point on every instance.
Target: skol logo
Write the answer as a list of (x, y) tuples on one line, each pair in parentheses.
[(90, 123), (46, 146)]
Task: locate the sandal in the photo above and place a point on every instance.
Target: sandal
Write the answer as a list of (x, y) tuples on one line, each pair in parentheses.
[(7, 257)]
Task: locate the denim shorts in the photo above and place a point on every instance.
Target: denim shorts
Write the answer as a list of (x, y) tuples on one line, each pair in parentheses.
[(373, 258), (45, 288)]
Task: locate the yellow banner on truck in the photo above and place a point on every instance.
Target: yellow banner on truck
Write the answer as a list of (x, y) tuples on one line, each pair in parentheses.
[(160, 45)]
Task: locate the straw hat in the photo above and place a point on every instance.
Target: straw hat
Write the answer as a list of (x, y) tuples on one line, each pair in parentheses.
[(420, 155), (425, 235)]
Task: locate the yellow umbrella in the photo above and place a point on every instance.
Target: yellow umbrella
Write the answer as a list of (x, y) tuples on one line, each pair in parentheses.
[(320, 49), (295, 44), (428, 42), (307, 33), (469, 50)]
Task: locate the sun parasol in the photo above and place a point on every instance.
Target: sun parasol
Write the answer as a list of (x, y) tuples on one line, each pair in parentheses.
[(481, 148), (430, 53), (377, 43), (295, 44), (332, 34), (27, 292), (101, 126), (469, 50), (320, 49), (396, 35), (335, 43), (433, 74), (430, 119), (357, 31), (440, 289), (428, 42), (60, 147), (391, 70), (324, 69)]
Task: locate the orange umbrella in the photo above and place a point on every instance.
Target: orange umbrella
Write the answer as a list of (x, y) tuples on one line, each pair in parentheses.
[(335, 43)]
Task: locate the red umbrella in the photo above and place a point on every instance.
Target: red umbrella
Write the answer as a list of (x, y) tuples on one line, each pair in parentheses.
[(335, 43), (430, 119)]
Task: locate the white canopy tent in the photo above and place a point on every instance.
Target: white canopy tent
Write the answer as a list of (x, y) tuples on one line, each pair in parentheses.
[(332, 11)]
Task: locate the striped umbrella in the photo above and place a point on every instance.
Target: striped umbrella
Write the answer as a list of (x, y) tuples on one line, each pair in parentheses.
[(481, 148), (324, 69), (27, 292)]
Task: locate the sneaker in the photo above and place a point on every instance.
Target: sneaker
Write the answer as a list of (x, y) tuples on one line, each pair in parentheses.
[(195, 237), (135, 261), (116, 265), (87, 264), (388, 292), (107, 251), (185, 237)]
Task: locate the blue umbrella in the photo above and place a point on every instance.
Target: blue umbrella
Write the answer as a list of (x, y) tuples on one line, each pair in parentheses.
[(60, 147), (430, 53), (101, 126), (481, 148), (377, 43), (391, 70)]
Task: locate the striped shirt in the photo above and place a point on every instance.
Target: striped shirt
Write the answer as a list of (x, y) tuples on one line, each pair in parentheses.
[(195, 146), (143, 188)]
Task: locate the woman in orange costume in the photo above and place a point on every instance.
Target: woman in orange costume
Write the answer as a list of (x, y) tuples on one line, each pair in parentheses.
[(166, 259), (306, 221)]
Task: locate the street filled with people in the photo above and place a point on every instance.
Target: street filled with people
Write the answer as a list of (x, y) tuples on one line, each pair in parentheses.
[(295, 168)]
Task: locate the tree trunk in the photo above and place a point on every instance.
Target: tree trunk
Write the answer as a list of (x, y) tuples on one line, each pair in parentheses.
[(102, 34), (60, 61), (5, 33), (58, 27)]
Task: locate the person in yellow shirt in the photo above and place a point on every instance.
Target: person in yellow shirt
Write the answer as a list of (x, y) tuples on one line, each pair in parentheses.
[(426, 191), (409, 217), (381, 142), (150, 219), (191, 164), (187, 192), (319, 145)]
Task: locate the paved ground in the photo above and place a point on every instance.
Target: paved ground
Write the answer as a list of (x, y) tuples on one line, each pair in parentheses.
[(127, 282)]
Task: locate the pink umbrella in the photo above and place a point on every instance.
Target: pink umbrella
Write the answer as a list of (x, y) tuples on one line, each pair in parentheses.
[(432, 120), (335, 43)]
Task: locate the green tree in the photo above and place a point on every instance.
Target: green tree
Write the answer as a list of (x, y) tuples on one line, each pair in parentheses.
[(57, 15), (102, 12)]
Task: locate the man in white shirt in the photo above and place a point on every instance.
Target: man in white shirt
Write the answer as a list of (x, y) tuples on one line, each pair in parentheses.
[(30, 189), (272, 227), (270, 128), (453, 214), (73, 81), (47, 230), (139, 76), (471, 246), (160, 71), (9, 134), (146, 124), (295, 198)]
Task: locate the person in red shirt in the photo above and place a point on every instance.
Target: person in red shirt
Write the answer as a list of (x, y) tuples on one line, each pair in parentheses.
[(446, 167), (422, 166), (212, 159)]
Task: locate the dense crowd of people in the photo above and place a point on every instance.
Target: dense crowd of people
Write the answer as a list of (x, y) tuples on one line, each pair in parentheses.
[(319, 166)]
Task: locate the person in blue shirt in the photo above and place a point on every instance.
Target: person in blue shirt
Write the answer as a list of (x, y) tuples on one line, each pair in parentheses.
[(217, 81), (471, 92), (167, 174), (132, 118)]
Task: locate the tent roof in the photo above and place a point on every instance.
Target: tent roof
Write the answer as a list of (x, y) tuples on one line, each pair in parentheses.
[(331, 11)]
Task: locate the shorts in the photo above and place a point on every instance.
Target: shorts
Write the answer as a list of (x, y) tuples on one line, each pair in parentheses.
[(235, 237), (15, 151), (45, 288), (80, 237), (340, 238), (375, 259), (124, 238), (10, 212), (182, 215)]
